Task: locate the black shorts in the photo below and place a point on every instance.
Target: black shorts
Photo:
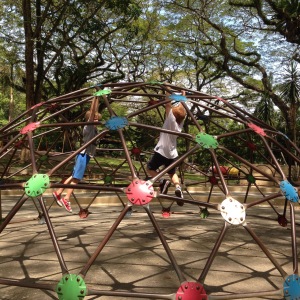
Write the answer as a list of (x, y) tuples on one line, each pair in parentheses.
[(158, 160)]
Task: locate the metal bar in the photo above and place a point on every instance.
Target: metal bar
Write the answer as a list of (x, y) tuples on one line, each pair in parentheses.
[(50, 172), (210, 192), (0, 206), (165, 244), (195, 202), (130, 294), (22, 283), (294, 157), (12, 212), (195, 122), (244, 161), (127, 155), (85, 269), (274, 160), (82, 186), (147, 108), (234, 133), (271, 197), (9, 162), (75, 94), (91, 202), (31, 149), (65, 109), (264, 249), (294, 239), (213, 253), (53, 237), (160, 129), (224, 185), (6, 146), (217, 111), (247, 191), (246, 295), (175, 163)]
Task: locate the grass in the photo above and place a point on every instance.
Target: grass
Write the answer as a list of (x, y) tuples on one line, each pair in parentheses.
[(98, 168)]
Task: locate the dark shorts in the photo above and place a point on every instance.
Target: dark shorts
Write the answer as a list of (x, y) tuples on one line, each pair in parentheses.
[(81, 162), (158, 160)]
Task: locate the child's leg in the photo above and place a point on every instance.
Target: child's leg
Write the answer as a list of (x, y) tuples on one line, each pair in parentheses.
[(65, 201), (175, 180), (152, 173), (78, 172), (154, 164), (178, 191), (67, 181), (70, 190)]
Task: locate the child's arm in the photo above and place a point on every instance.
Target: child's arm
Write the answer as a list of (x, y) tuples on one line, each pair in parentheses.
[(93, 109), (168, 105)]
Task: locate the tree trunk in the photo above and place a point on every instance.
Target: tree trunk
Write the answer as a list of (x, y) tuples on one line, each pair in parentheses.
[(11, 101), (29, 47), (39, 55), (292, 123)]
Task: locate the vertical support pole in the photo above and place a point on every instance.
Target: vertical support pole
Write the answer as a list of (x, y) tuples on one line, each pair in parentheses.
[(0, 206)]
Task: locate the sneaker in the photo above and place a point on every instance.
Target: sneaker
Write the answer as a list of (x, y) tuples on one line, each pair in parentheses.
[(66, 204), (57, 199), (178, 193), (164, 185)]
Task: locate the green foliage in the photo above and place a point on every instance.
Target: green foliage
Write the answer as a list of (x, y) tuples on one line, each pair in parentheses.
[(4, 110), (265, 110), (230, 51), (290, 89), (146, 139)]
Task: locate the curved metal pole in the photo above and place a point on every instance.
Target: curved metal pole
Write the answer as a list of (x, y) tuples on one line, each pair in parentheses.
[(50, 172), (274, 160), (127, 155), (85, 269), (265, 250), (165, 244), (12, 212), (22, 283), (53, 236), (224, 185), (130, 294), (271, 197), (294, 240), (244, 161), (246, 295), (31, 148), (213, 253)]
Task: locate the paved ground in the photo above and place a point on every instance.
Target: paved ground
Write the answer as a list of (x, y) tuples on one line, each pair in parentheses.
[(134, 258)]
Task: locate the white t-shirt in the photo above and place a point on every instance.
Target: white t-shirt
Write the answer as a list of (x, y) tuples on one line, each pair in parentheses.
[(167, 144)]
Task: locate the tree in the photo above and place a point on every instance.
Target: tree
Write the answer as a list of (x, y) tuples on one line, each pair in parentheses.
[(233, 43), (10, 76), (281, 17), (265, 110), (64, 43), (290, 93)]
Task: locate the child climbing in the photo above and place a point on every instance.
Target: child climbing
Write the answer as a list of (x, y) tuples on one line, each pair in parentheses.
[(165, 152), (82, 159)]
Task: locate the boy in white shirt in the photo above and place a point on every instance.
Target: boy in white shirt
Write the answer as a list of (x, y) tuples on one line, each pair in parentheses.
[(165, 152)]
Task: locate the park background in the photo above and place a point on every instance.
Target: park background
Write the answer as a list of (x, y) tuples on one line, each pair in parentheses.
[(244, 51)]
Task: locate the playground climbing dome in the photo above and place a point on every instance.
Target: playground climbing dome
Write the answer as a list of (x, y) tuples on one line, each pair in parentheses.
[(221, 144)]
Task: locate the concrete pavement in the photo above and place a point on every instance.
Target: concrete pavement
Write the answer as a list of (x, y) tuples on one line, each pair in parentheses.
[(134, 258)]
